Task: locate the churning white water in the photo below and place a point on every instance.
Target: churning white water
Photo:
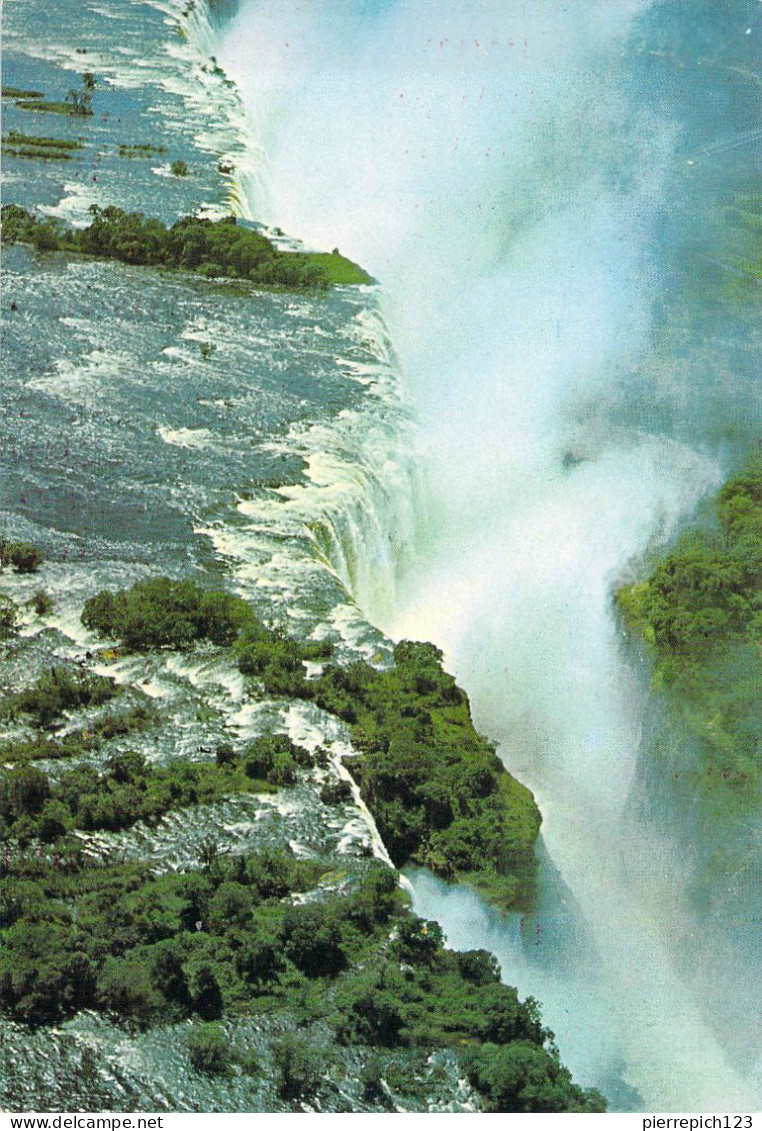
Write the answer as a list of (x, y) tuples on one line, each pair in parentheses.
[(492, 167)]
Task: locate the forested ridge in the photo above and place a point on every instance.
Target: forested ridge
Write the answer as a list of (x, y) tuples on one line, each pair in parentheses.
[(264, 934), (700, 613)]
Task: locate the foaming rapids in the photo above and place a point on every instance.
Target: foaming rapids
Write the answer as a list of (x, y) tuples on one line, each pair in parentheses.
[(492, 168)]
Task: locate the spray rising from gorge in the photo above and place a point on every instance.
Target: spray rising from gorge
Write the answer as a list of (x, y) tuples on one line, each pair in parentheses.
[(504, 173)]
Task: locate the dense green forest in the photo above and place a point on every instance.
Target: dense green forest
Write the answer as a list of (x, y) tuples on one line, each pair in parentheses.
[(439, 793), (226, 938), (700, 613), (211, 248)]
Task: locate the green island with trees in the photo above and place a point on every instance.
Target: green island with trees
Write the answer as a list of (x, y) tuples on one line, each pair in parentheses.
[(18, 144), (266, 934), (700, 615), (210, 248), (78, 103)]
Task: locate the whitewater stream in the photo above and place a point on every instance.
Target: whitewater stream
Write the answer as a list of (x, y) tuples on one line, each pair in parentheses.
[(540, 190)]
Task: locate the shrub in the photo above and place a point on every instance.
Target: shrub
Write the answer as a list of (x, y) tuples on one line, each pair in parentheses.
[(205, 993), (699, 613), (371, 1078), (478, 966), (336, 792), (211, 248), (179, 169), (298, 1067), (163, 613), (23, 792), (312, 940), (8, 617), (209, 1049), (42, 603), (275, 758), (372, 1011), (125, 988), (24, 557), (61, 689)]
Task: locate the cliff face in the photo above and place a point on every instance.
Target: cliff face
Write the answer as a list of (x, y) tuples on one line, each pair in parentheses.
[(695, 633)]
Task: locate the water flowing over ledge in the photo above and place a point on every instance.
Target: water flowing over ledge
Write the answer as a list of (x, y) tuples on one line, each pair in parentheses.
[(544, 462), (541, 302)]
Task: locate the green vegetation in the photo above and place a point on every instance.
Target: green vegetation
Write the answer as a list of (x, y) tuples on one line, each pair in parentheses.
[(179, 169), (224, 939), (32, 805), (298, 1065), (336, 792), (700, 613), (17, 138), (439, 793), (58, 690), (79, 101), (523, 1077), (69, 107), (161, 613), (80, 742), (213, 249), (209, 1049), (44, 746), (8, 617), (15, 92), (17, 144), (141, 150), (338, 269), (23, 557), (35, 154), (42, 603), (78, 936)]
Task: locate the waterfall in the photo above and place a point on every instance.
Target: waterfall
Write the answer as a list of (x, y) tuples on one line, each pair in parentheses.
[(509, 174)]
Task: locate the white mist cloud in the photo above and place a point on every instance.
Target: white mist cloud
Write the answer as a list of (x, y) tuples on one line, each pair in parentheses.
[(485, 166), (485, 161)]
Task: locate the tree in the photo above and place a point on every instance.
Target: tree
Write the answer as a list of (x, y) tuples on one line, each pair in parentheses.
[(313, 941), (298, 1068), (478, 966), (520, 1077), (24, 556), (206, 994), (23, 791), (209, 1049), (88, 80), (80, 102), (168, 976), (8, 613)]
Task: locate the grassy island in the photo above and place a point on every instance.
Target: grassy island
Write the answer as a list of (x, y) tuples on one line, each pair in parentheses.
[(210, 248), (17, 144), (225, 940), (700, 614)]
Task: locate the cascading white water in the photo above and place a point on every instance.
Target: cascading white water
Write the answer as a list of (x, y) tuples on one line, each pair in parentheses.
[(492, 170)]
